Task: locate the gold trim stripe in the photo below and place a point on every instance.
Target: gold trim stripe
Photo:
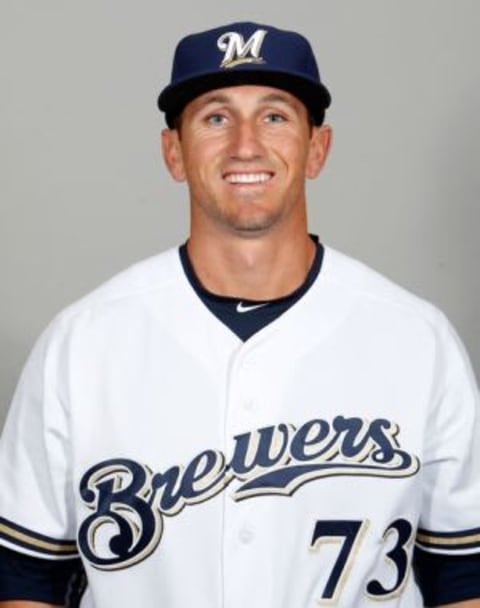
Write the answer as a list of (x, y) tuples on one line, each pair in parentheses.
[(36, 543), (456, 540)]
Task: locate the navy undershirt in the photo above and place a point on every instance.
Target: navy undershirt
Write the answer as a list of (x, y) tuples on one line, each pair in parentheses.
[(243, 316), (27, 578)]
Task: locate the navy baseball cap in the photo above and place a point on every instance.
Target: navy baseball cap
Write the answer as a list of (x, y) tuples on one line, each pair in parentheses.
[(244, 53)]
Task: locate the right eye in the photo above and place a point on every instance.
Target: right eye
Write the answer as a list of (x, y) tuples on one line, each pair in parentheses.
[(216, 119)]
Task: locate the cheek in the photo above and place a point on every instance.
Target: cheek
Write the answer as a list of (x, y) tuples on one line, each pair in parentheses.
[(201, 164), (291, 148), (203, 151)]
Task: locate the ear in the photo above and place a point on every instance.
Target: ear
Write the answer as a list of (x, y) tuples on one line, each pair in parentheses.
[(172, 154), (319, 148)]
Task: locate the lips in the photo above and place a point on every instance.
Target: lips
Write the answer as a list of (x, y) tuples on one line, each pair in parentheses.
[(248, 178)]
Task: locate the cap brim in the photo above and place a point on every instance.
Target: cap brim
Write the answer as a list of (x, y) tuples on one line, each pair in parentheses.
[(314, 95)]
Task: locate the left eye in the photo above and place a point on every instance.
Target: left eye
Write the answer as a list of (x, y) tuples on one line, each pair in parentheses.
[(274, 117)]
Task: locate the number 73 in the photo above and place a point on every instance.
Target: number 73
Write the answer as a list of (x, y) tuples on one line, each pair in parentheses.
[(352, 532)]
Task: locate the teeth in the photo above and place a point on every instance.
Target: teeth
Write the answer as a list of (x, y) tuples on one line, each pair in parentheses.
[(248, 178)]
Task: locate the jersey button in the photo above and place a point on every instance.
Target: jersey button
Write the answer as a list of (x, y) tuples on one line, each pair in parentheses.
[(246, 536), (249, 405), (247, 363)]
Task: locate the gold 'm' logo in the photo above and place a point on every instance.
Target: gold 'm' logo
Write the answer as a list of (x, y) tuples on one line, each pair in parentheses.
[(237, 51)]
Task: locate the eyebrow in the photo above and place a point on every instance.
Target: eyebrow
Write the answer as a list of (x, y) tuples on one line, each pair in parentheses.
[(215, 98), (275, 97)]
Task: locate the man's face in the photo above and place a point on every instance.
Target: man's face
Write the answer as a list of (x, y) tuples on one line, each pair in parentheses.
[(245, 152)]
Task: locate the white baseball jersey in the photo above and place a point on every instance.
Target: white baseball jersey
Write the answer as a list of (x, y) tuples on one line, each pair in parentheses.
[(296, 469)]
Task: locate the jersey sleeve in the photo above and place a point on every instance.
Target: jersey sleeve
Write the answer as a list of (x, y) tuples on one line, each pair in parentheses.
[(450, 518), (36, 498), (49, 581), (445, 579)]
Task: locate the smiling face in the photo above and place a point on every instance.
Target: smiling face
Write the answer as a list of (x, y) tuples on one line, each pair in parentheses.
[(245, 152)]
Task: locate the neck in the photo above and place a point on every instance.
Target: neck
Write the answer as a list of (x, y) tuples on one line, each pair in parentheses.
[(263, 268)]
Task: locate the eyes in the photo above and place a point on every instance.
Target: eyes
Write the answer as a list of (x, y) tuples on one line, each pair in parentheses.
[(217, 119)]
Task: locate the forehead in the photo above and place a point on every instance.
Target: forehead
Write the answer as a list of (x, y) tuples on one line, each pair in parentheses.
[(245, 96)]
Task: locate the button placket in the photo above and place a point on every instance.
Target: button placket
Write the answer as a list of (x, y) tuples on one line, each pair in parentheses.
[(240, 534)]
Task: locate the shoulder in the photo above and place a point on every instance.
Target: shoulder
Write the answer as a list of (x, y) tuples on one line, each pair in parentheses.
[(118, 300), (376, 305), (141, 279), (370, 289)]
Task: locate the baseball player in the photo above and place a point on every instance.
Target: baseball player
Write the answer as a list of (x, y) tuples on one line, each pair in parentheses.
[(253, 418)]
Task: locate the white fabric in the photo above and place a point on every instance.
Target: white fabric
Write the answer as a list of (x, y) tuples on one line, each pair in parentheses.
[(343, 425)]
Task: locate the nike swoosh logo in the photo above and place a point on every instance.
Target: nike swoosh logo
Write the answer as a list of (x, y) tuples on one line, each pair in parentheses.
[(242, 308)]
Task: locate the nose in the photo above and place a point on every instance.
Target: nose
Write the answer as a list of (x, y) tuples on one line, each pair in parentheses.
[(246, 141)]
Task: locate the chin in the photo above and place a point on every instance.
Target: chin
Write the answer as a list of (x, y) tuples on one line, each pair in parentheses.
[(253, 227)]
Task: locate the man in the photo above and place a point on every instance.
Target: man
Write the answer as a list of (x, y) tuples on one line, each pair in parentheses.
[(252, 419)]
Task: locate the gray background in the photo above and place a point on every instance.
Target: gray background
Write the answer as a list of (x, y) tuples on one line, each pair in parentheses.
[(83, 190)]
